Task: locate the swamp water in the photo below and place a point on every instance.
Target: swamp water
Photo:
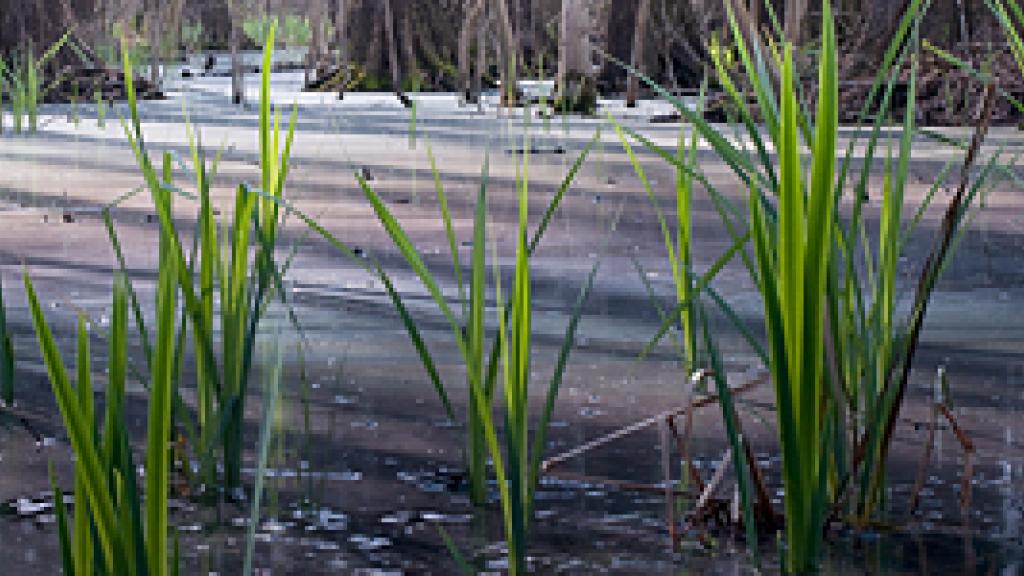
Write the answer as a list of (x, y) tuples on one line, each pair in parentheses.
[(363, 465)]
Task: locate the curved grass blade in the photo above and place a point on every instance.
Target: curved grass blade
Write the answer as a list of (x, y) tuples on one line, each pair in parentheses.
[(79, 431)]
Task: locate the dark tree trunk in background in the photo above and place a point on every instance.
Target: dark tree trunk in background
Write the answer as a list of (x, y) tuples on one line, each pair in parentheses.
[(481, 53), (509, 56), (389, 33), (237, 78), (342, 40), (314, 57), (577, 89), (643, 13), (794, 18), (438, 38), (470, 92), (155, 43), (409, 46)]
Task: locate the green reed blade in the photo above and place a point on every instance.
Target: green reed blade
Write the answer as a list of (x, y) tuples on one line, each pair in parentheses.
[(460, 560), (67, 557), (6, 355), (556, 201), (702, 282), (270, 396), (449, 231), (475, 328), (159, 422), (687, 169), (736, 442), (417, 341), (82, 537), (80, 431), (652, 296), (554, 386), (412, 257)]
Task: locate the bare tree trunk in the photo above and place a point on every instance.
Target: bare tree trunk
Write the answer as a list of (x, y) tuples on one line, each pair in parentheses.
[(409, 45), (795, 10), (316, 40), (237, 79), (481, 55), (375, 50), (509, 56), (537, 33), (341, 38), (643, 12), (471, 15), (667, 29), (154, 43), (575, 83), (964, 37), (389, 32)]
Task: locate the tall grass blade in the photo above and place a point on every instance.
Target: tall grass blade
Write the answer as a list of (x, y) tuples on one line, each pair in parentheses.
[(80, 431), (270, 397), (67, 558), (159, 423)]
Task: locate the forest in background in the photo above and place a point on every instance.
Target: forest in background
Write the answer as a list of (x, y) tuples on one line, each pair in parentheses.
[(468, 46)]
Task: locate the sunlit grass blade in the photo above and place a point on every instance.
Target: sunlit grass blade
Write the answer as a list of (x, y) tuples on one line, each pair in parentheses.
[(83, 544), (159, 420), (413, 258), (417, 341), (80, 431), (475, 332), (449, 230)]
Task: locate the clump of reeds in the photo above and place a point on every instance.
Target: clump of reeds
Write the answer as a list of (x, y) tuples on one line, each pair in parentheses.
[(109, 530), (838, 352), (246, 281), (481, 363), (24, 83)]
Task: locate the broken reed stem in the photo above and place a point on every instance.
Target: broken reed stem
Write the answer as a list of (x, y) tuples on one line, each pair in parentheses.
[(922, 467), (965, 443), (683, 445), (549, 464), (764, 502), (666, 471), (713, 484), (620, 484), (968, 448)]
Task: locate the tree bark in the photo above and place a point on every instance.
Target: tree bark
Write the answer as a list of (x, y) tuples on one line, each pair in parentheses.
[(575, 67), (409, 45), (389, 33), (509, 56), (237, 79), (341, 38), (643, 13), (471, 15), (481, 55), (795, 11), (154, 43), (316, 40)]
